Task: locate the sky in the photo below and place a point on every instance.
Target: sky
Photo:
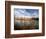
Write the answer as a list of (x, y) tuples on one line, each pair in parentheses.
[(26, 12)]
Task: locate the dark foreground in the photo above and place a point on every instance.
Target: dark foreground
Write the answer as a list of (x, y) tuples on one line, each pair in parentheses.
[(27, 26)]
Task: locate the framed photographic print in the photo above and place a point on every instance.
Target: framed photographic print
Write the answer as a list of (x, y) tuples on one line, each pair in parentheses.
[(24, 19)]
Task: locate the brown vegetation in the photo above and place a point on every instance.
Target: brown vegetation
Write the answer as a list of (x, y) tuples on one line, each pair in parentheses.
[(24, 20)]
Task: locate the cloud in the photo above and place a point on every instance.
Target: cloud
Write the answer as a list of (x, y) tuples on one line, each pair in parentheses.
[(26, 12)]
